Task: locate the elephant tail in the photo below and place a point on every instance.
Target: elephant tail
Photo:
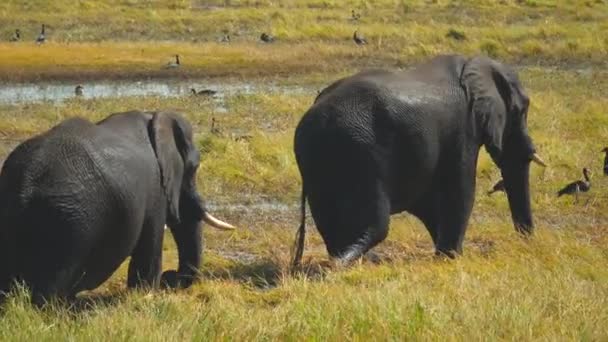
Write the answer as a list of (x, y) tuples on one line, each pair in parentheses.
[(301, 234)]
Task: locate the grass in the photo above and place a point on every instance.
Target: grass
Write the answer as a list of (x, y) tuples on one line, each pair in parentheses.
[(126, 39), (551, 287)]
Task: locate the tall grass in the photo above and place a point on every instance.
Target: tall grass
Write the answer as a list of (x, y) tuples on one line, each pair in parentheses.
[(552, 287)]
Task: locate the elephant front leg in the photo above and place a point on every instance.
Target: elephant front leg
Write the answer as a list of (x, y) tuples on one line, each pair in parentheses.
[(454, 210), (188, 237), (146, 260)]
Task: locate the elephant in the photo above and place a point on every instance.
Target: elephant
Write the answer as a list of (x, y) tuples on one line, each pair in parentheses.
[(381, 142), (81, 197)]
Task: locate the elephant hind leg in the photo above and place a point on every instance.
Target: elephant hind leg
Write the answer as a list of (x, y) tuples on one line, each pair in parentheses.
[(362, 223), (55, 276), (52, 263), (58, 285)]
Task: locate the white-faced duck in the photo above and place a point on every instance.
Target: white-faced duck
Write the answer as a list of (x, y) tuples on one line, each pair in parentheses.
[(499, 186), (605, 150), (16, 36), (266, 38), (358, 38), (173, 65), (577, 186), (41, 37), (79, 90)]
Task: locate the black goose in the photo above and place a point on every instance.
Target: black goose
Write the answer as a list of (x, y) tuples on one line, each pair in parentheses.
[(41, 37), (266, 38), (207, 92), (16, 37), (214, 129), (577, 186), (359, 39), (605, 150), (173, 65), (78, 91), (499, 186)]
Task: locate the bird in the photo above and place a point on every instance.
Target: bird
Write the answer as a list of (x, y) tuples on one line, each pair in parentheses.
[(173, 65), (41, 37), (605, 150), (359, 39), (78, 91), (266, 38), (214, 129), (577, 186), (456, 35), (224, 39), (499, 186), (16, 36), (355, 16), (207, 92)]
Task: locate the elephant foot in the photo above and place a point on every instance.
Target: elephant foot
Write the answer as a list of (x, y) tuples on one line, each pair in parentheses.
[(173, 280), (348, 258), (447, 254), (372, 257)]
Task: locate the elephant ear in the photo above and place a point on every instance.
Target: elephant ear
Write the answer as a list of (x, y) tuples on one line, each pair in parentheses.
[(166, 136), (490, 97)]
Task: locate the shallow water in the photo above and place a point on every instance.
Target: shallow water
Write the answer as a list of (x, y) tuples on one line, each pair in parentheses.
[(60, 91)]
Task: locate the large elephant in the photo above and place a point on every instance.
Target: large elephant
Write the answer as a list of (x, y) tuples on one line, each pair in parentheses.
[(381, 142), (78, 199)]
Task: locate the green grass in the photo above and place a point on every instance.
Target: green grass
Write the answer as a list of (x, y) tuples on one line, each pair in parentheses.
[(127, 39), (551, 287)]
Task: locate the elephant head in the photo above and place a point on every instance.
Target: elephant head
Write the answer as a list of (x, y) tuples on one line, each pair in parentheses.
[(499, 107), (178, 161)]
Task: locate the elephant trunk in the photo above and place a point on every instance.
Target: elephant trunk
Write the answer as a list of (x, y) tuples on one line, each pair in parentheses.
[(517, 187), (187, 233)]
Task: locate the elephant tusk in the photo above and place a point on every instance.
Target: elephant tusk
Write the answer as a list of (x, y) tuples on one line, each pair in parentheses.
[(538, 160), (216, 223)]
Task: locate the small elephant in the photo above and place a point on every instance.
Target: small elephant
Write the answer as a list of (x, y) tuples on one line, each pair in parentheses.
[(79, 199), (382, 142)]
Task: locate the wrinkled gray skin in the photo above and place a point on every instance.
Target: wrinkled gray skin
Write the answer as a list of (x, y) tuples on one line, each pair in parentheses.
[(79, 199), (383, 142)]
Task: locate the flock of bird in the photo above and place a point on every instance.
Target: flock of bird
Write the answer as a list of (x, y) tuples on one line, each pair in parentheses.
[(572, 188), (358, 38), (79, 91), (16, 37)]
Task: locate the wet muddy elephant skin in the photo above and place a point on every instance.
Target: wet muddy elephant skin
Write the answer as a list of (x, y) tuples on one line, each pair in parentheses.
[(381, 142), (79, 199)]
